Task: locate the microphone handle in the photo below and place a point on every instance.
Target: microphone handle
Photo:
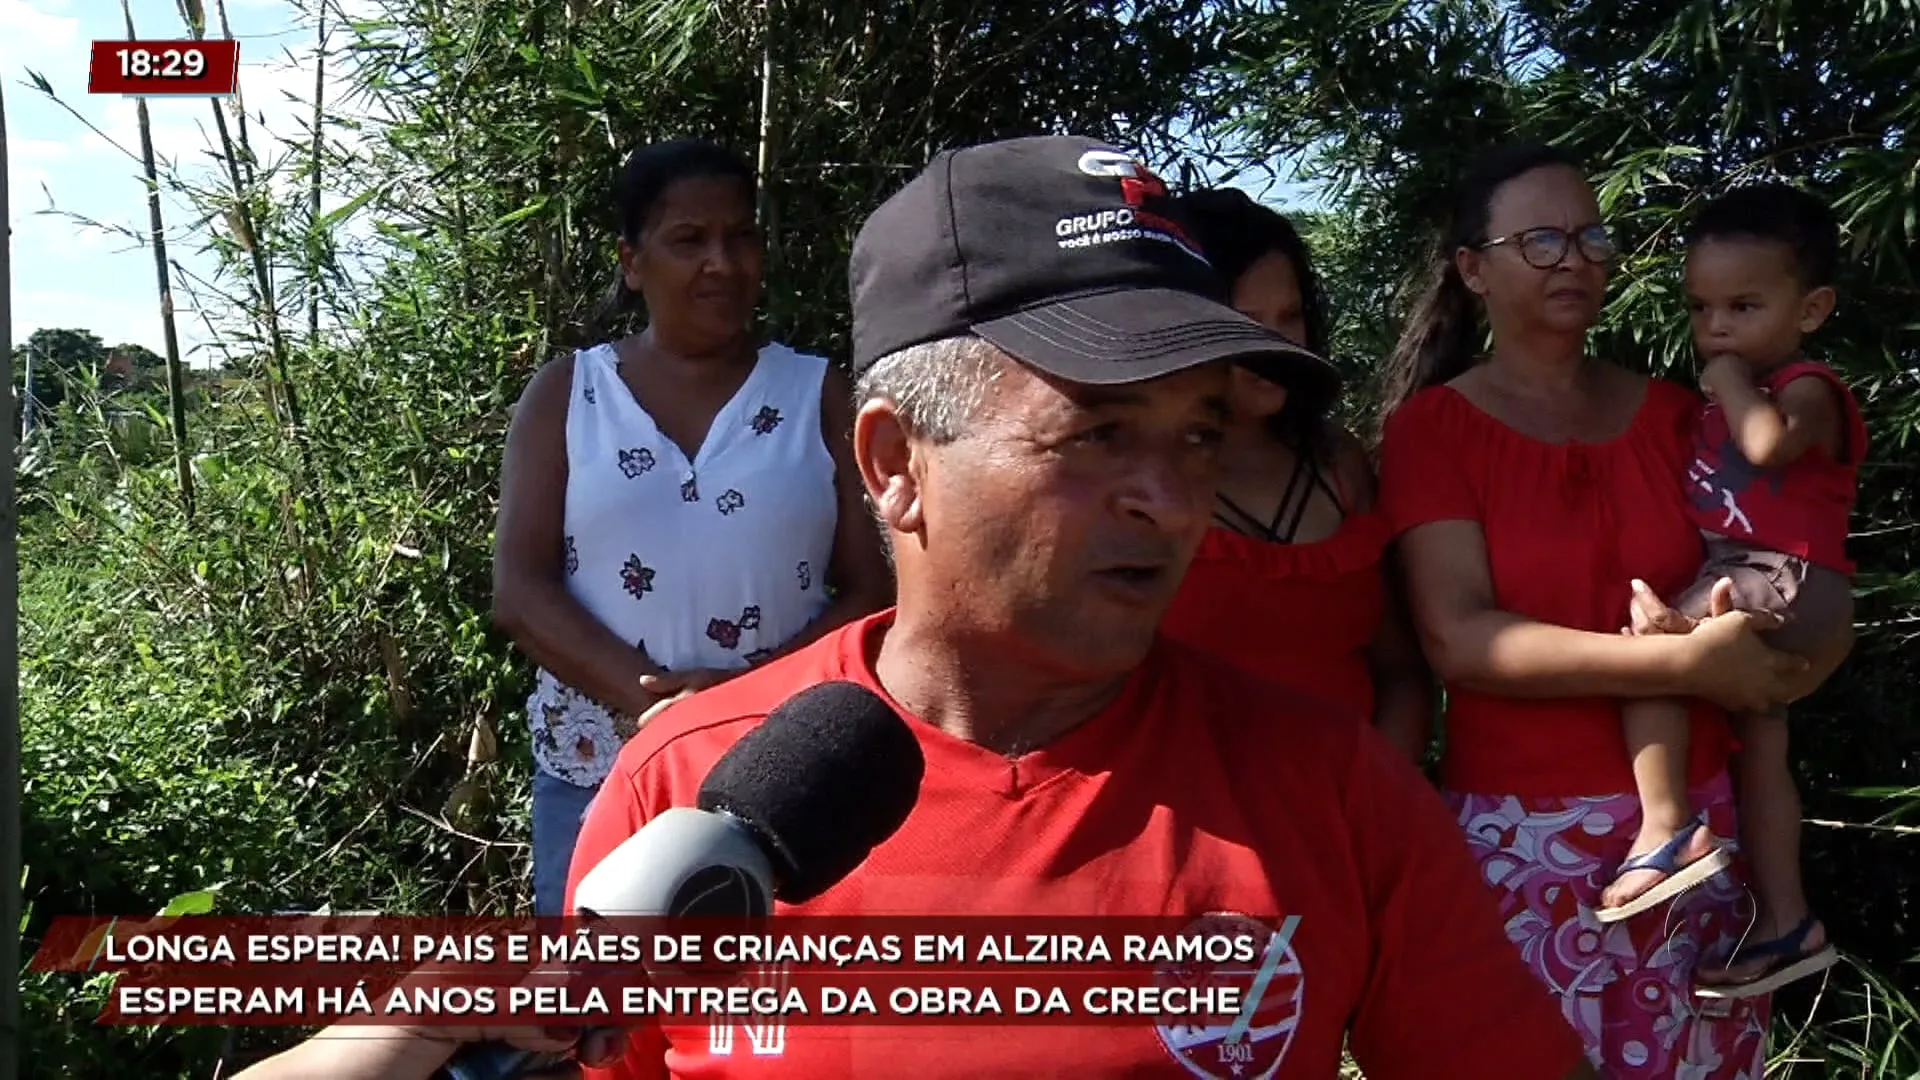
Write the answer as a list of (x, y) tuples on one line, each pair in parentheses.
[(497, 1061)]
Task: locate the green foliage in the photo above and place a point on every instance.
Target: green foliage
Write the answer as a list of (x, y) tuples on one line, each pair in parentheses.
[(1387, 103), (278, 699), (860, 100), (1870, 1027), (170, 745), (56, 357)]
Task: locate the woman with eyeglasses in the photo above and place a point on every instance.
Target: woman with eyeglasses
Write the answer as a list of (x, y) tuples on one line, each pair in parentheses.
[(1536, 493)]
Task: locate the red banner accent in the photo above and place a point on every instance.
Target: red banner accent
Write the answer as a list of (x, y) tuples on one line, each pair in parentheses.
[(209, 68)]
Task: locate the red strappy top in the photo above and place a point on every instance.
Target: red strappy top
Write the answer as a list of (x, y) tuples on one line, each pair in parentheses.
[(1298, 614)]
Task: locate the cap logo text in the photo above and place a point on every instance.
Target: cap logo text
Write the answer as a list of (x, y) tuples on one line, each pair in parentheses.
[(1137, 185)]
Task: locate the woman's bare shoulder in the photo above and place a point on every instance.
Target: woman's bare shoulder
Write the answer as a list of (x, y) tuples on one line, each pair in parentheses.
[(544, 398), (1352, 464)]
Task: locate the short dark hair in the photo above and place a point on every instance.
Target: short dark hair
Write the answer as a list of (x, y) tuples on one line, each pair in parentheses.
[(655, 167), (1781, 214), (637, 189)]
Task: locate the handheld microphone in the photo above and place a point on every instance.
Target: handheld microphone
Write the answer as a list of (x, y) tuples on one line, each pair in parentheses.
[(789, 811)]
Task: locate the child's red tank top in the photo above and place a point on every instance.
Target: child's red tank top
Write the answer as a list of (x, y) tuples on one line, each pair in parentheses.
[(1800, 509)]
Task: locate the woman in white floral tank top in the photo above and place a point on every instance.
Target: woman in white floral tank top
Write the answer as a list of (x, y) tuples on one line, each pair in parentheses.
[(676, 506)]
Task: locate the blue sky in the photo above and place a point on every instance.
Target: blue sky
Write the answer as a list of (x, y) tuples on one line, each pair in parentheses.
[(69, 275), (66, 274)]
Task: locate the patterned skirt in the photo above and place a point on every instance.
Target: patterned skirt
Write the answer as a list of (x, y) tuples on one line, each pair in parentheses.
[(1626, 988)]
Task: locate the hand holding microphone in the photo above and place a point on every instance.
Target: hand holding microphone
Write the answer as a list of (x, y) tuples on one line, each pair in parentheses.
[(795, 806), (366, 1052)]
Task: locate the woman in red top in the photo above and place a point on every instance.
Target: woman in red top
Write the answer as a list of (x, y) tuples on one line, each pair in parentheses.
[(1536, 492), (1289, 582)]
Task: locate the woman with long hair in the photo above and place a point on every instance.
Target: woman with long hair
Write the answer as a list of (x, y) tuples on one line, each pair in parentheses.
[(676, 505), (1536, 492), (1290, 583)]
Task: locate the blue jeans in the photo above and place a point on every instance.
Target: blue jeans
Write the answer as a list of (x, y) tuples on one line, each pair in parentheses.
[(558, 808)]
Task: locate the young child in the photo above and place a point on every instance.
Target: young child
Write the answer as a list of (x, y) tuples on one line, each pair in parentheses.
[(1776, 452)]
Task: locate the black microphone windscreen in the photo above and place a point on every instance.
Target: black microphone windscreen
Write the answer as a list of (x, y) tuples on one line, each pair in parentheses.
[(830, 774)]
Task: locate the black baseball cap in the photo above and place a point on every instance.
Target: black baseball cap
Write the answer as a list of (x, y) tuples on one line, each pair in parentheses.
[(1063, 252)]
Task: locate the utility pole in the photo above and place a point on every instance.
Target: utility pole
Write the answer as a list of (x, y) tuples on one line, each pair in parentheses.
[(11, 880)]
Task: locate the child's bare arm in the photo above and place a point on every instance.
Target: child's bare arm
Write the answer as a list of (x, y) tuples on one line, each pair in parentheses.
[(1773, 433)]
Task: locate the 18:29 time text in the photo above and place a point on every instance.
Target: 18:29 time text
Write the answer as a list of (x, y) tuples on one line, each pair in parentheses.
[(169, 64)]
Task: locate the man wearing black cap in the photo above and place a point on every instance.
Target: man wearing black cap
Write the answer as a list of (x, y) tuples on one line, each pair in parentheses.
[(1040, 355)]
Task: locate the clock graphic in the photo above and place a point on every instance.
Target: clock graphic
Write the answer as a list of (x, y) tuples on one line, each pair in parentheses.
[(204, 68)]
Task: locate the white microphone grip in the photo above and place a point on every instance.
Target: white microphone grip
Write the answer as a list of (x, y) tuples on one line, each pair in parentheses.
[(681, 861)]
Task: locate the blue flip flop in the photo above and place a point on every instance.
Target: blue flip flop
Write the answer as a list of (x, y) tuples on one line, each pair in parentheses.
[(1665, 859), (1786, 959)]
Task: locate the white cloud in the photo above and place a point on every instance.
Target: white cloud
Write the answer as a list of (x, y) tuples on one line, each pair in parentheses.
[(125, 318), (68, 274), (26, 183), (361, 9), (36, 150), (33, 33), (175, 125), (29, 170), (281, 87), (276, 90), (352, 9)]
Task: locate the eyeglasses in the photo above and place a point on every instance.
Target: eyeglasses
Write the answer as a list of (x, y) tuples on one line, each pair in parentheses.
[(1546, 248)]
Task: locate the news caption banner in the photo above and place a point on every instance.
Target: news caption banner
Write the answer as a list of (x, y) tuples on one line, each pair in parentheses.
[(209, 67), (1211, 972)]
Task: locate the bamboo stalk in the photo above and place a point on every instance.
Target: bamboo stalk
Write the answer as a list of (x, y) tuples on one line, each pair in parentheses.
[(267, 309), (28, 402), (239, 98), (313, 190), (176, 378), (764, 162), (547, 232)]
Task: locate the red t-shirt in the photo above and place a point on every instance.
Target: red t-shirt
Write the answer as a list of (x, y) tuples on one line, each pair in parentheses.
[(1800, 509), (1198, 790), (1301, 615), (1568, 527)]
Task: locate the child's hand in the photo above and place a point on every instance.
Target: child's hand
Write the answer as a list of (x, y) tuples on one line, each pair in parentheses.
[(1722, 371), (1648, 614)]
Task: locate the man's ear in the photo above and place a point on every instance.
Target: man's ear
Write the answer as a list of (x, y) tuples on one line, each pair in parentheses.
[(889, 465)]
